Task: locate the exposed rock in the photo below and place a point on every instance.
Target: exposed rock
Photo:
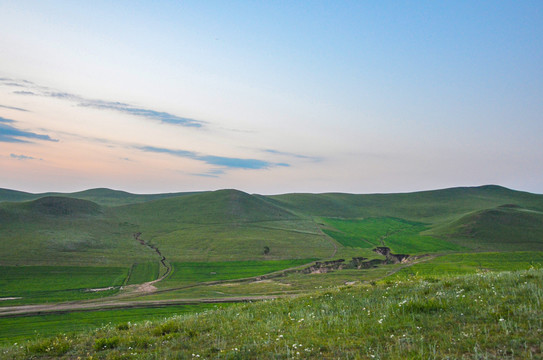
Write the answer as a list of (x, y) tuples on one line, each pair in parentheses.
[(390, 257), (324, 267)]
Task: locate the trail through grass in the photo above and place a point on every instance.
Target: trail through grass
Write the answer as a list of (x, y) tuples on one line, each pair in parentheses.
[(481, 316)]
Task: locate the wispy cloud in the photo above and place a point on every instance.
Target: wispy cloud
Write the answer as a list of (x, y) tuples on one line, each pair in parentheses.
[(31, 89), (23, 157), (213, 173), (12, 108), (292, 155), (222, 161), (11, 134)]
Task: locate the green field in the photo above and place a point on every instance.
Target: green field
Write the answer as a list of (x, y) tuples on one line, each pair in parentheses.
[(34, 284), (55, 247), (400, 235), (191, 272), (22, 328), (469, 263), (143, 272), (481, 316)]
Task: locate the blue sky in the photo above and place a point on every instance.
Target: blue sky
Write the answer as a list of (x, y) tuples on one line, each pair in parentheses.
[(271, 97)]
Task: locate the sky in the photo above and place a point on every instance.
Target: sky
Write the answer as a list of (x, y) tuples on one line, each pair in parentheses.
[(271, 97)]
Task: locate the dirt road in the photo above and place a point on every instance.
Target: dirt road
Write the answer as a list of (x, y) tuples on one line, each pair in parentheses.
[(60, 308)]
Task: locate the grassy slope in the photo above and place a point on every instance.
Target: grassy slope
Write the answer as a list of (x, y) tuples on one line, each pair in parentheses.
[(230, 225), (399, 235), (508, 228), (13, 330), (101, 196), (57, 283), (469, 263), (493, 315), (426, 206), (225, 225), (66, 231)]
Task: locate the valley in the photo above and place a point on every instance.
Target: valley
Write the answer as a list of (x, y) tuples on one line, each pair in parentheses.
[(69, 260)]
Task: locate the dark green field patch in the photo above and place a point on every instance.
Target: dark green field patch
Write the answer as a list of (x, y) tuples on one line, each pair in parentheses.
[(28, 327), (194, 272), (459, 264), (400, 235), (143, 272), (57, 283)]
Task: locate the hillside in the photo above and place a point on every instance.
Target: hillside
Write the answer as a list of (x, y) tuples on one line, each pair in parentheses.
[(426, 206), (215, 207), (490, 316), (56, 230), (507, 227), (101, 196), (224, 225), (111, 250)]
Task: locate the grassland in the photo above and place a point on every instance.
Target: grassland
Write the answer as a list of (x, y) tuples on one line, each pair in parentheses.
[(481, 316), (53, 247), (143, 272), (185, 273), (400, 235), (17, 329), (36, 284), (469, 263)]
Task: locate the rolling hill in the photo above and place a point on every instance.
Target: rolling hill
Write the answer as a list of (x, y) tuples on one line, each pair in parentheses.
[(103, 245)]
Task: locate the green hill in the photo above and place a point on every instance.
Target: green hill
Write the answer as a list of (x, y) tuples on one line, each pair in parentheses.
[(426, 206), (55, 230), (217, 207), (224, 225), (101, 196), (62, 206), (506, 227), (14, 195)]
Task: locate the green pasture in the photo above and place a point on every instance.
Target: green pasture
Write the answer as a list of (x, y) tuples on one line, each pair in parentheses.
[(480, 316), (31, 238), (400, 235), (16, 329), (143, 272), (291, 283), (35, 284), (194, 272), (469, 263), (235, 242)]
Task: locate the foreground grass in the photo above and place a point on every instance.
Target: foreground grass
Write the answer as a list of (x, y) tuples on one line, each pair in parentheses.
[(17, 329), (486, 315)]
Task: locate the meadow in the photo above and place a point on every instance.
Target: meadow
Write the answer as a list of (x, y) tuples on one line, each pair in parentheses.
[(17, 329), (143, 272), (55, 247), (481, 316), (400, 235), (37, 284), (184, 273), (469, 263)]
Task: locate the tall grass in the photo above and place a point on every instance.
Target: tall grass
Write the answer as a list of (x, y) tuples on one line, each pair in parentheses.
[(481, 316)]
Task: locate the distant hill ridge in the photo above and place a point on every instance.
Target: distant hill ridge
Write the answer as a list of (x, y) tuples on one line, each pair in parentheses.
[(229, 204), (214, 207)]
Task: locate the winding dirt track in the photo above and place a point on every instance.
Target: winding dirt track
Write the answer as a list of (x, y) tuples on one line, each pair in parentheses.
[(61, 308), (117, 302)]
